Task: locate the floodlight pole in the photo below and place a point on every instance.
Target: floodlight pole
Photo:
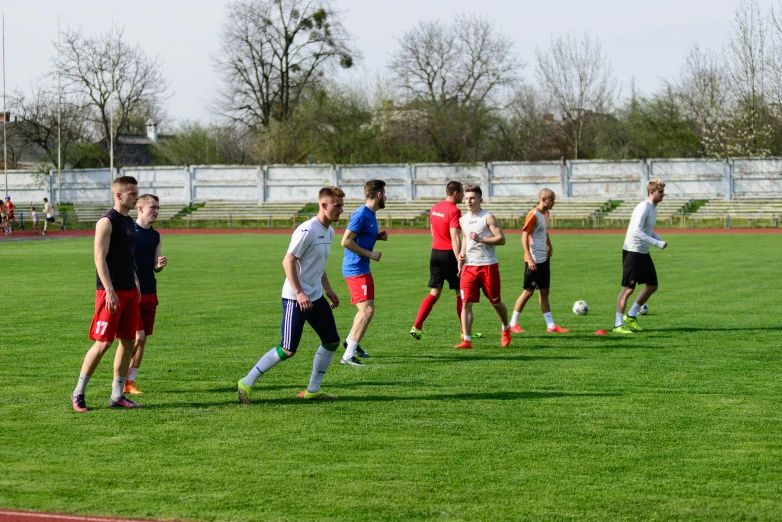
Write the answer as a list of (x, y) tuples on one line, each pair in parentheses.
[(5, 119), (59, 118)]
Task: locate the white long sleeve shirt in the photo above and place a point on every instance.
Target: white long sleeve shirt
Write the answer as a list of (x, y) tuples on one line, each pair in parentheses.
[(640, 231)]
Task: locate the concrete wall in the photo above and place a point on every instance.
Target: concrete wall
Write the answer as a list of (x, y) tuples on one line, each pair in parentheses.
[(693, 178)]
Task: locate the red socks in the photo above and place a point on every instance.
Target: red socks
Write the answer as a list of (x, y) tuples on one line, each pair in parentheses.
[(424, 311)]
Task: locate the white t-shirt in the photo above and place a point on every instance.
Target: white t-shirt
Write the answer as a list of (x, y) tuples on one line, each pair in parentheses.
[(48, 207), (640, 231), (536, 225), (34, 215), (477, 254), (311, 244)]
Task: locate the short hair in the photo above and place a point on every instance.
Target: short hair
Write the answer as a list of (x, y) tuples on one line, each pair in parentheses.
[(474, 188), (46, 199), (654, 184), (122, 182), (330, 192), (146, 198), (372, 187), (32, 208), (453, 187), (546, 191)]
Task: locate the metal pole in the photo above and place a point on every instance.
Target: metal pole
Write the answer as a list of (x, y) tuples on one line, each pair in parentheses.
[(59, 118), (5, 118)]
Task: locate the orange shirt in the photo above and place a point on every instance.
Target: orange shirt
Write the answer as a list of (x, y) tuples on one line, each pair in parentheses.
[(536, 225)]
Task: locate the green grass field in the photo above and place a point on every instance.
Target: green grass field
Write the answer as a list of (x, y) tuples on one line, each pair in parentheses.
[(682, 421)]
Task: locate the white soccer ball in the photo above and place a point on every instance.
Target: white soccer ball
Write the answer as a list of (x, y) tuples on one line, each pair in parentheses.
[(644, 309), (580, 308)]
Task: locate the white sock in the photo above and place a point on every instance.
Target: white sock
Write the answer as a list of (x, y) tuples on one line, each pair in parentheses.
[(505, 327), (350, 351), (265, 363), (132, 372), (619, 320), (117, 388), (549, 320), (81, 385), (514, 320), (467, 338), (319, 366), (634, 310)]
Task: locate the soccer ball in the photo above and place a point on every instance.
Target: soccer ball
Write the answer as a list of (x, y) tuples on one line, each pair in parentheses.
[(644, 309), (580, 308)]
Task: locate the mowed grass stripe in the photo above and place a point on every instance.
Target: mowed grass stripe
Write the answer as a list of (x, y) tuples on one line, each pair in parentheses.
[(679, 422)]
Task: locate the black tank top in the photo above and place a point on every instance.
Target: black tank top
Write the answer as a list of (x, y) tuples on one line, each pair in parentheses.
[(147, 240), (120, 258)]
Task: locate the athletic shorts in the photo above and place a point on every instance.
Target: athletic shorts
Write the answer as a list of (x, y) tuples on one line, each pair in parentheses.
[(637, 269), (362, 288), (147, 308), (320, 318), (50, 219), (122, 324), (540, 278), (476, 278), (443, 267)]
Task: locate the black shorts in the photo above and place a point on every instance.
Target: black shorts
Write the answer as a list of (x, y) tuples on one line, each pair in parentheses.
[(637, 269), (539, 278), (443, 267), (320, 318), (50, 219)]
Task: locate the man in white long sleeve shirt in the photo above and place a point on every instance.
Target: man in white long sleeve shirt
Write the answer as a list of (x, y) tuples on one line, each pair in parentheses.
[(637, 265)]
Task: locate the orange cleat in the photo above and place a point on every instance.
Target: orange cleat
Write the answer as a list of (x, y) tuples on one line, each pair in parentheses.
[(464, 345), (506, 338), (130, 387), (517, 329), (557, 329)]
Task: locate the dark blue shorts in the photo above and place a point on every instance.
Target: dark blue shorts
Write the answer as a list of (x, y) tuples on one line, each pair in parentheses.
[(320, 318)]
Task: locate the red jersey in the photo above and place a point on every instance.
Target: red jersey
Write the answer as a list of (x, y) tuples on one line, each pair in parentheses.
[(443, 217)]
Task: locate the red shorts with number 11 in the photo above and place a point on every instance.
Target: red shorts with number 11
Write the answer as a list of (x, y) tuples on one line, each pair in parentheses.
[(362, 288), (477, 278), (121, 324)]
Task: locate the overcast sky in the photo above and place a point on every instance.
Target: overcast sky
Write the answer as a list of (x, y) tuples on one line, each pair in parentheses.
[(643, 40)]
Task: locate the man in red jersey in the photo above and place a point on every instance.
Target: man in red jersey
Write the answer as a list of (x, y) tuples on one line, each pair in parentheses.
[(116, 297), (446, 245)]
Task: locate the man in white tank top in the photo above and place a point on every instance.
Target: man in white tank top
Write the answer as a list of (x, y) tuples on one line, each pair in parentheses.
[(537, 272), (478, 265)]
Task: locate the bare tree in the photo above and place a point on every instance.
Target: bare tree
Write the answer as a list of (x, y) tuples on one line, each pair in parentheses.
[(104, 73), (526, 128), (579, 79), (462, 63), (450, 76), (271, 51), (36, 125)]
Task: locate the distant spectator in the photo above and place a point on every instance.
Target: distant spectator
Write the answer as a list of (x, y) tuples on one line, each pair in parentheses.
[(34, 217), (4, 219), (9, 208), (49, 209)]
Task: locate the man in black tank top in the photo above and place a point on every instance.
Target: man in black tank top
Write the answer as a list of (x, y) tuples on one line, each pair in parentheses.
[(117, 294)]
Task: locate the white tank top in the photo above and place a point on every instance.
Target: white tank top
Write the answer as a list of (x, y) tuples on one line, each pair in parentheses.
[(478, 254)]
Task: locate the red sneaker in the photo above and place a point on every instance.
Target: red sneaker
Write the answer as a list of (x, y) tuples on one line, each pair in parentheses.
[(506, 338), (517, 329), (464, 345), (78, 403), (557, 329)]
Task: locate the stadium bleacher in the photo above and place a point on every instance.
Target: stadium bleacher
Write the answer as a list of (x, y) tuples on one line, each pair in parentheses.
[(668, 210), (91, 212), (744, 211)]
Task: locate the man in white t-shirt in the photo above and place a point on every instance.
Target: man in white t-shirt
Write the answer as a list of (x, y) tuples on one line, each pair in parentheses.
[(537, 272), (48, 207), (478, 264), (303, 300), (637, 265)]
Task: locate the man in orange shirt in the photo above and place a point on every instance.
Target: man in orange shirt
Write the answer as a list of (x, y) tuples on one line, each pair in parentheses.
[(537, 252)]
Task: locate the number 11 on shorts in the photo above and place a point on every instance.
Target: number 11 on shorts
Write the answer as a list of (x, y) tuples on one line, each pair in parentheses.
[(100, 327)]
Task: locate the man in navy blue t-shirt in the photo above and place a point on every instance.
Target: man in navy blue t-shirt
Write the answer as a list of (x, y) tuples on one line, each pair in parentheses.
[(359, 240)]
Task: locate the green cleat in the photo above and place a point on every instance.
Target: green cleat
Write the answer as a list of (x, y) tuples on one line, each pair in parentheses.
[(244, 392), (632, 322), (477, 335), (416, 334), (622, 330), (318, 395)]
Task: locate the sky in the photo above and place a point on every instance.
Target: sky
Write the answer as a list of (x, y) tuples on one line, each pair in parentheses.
[(645, 42)]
